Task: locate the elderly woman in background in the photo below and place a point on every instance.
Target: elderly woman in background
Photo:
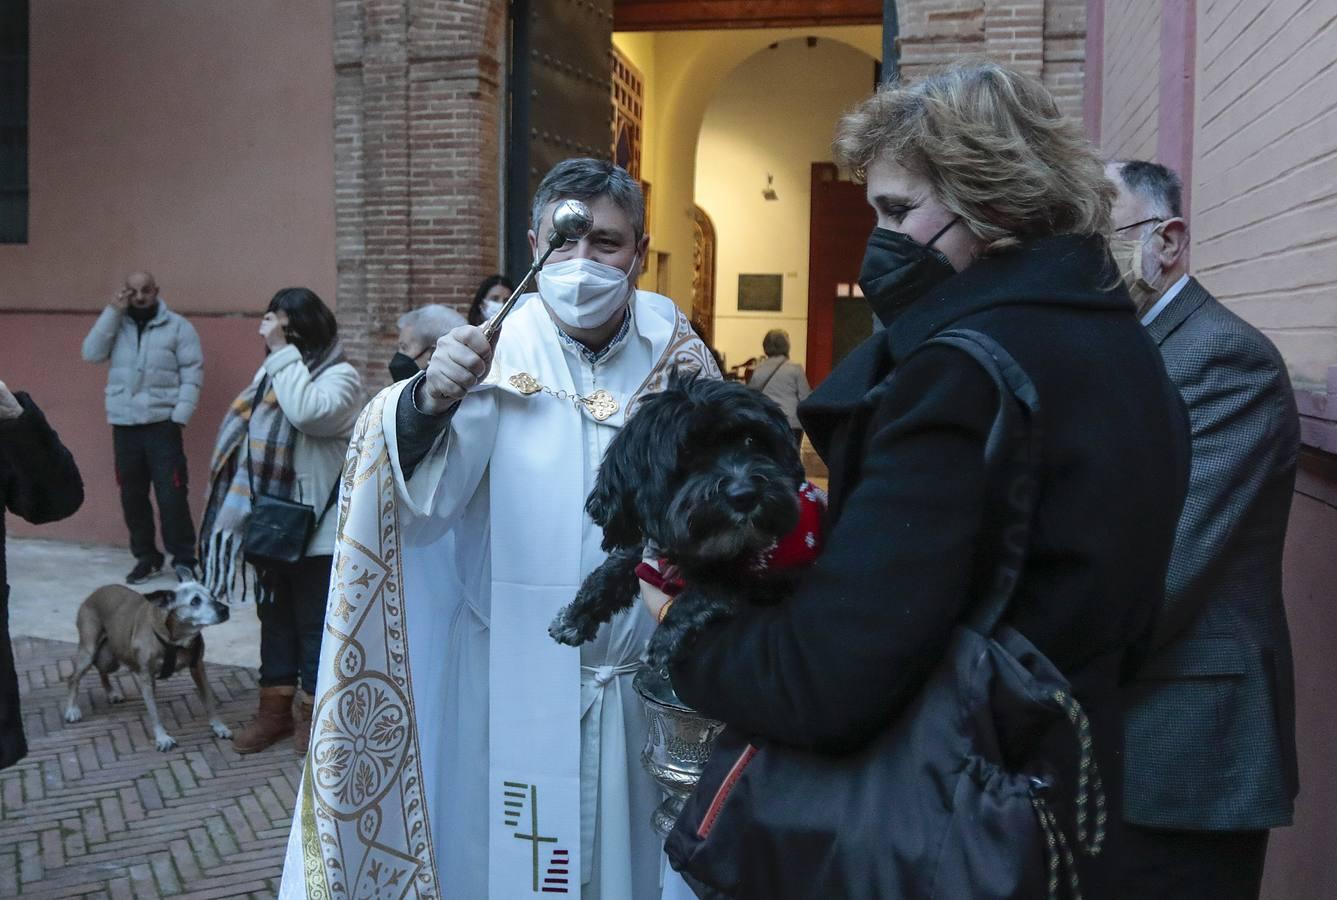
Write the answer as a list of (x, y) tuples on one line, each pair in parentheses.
[(781, 380), (419, 330), (285, 436), (992, 214)]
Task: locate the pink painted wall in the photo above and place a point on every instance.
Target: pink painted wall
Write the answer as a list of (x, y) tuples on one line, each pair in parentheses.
[(1265, 166), (1175, 107), (39, 353), (1130, 78), (1300, 859), (193, 139)]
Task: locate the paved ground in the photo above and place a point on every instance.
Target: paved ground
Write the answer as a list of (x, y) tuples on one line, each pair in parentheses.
[(95, 810)]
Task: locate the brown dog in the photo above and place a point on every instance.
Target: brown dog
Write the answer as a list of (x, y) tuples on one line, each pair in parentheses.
[(152, 636)]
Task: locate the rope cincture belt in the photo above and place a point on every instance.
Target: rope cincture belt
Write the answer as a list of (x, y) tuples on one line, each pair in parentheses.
[(1058, 851)]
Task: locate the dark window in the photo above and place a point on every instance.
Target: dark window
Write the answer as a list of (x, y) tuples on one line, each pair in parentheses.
[(14, 122)]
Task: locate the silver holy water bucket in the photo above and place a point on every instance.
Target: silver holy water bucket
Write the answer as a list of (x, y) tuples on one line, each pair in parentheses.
[(677, 747)]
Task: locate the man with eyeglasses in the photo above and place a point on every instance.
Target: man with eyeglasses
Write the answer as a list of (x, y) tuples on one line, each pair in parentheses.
[(1209, 752)]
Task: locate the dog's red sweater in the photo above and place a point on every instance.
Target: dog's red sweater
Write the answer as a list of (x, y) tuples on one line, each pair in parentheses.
[(800, 547)]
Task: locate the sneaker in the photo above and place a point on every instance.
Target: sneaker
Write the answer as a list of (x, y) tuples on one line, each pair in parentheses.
[(184, 572), (143, 571)]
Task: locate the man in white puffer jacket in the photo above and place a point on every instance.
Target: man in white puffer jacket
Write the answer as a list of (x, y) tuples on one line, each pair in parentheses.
[(157, 370)]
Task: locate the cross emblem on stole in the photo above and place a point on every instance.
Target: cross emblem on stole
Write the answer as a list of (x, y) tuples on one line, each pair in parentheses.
[(515, 797)]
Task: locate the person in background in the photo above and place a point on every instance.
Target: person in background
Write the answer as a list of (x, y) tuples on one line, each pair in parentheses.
[(286, 436), (781, 380), (157, 370), (1209, 740), (39, 483), (491, 294), (419, 330)]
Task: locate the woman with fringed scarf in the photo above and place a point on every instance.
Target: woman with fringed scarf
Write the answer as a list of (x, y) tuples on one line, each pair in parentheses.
[(298, 413)]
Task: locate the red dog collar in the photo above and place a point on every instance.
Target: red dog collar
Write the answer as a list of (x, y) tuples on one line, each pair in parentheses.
[(800, 547)]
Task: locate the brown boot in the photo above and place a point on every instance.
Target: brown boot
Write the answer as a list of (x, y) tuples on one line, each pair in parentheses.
[(301, 733), (272, 722)]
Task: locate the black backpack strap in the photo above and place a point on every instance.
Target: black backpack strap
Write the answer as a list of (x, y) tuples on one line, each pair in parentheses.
[(1013, 450), (762, 387)]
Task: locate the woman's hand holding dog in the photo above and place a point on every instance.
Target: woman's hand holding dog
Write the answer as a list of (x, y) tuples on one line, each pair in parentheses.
[(654, 600), (462, 359)]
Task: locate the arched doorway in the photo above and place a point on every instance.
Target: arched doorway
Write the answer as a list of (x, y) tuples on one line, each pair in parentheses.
[(768, 123)]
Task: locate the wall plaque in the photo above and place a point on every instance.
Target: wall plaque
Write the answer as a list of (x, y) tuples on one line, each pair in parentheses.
[(761, 293)]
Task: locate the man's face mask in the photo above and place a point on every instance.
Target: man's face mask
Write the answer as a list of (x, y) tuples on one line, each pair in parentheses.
[(897, 270), (583, 293), (1128, 253)]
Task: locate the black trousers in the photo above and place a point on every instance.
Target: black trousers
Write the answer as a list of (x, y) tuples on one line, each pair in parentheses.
[(13, 746), (154, 456), (293, 622), (1192, 865)]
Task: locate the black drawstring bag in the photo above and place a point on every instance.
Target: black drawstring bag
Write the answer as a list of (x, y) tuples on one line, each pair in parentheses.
[(960, 798)]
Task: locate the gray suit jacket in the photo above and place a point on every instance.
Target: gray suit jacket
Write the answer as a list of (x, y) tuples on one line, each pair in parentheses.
[(1210, 718)]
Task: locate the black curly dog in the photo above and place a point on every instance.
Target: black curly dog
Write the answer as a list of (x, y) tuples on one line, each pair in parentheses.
[(705, 474)]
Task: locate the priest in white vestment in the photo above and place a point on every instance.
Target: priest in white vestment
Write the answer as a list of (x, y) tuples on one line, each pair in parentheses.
[(458, 751)]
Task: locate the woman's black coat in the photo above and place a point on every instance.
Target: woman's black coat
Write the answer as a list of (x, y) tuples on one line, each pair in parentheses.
[(909, 519), (39, 482)]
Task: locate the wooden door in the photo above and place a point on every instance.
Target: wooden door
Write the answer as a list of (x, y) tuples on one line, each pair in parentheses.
[(841, 221), (560, 100)]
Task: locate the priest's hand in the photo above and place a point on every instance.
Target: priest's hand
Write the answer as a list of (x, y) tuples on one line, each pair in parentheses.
[(462, 359)]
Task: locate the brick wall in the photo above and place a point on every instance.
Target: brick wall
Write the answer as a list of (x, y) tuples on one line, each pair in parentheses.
[(1131, 82), (418, 99), (1265, 173), (936, 32), (1065, 53), (1045, 38)]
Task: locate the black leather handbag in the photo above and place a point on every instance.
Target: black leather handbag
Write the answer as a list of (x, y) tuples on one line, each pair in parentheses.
[(278, 530), (964, 796)]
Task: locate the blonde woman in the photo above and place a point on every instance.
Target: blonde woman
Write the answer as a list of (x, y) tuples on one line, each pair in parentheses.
[(992, 212)]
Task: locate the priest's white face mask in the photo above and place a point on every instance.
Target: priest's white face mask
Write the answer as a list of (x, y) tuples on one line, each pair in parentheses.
[(583, 293)]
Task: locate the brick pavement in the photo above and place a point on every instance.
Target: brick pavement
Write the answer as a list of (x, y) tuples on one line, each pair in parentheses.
[(95, 811)]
